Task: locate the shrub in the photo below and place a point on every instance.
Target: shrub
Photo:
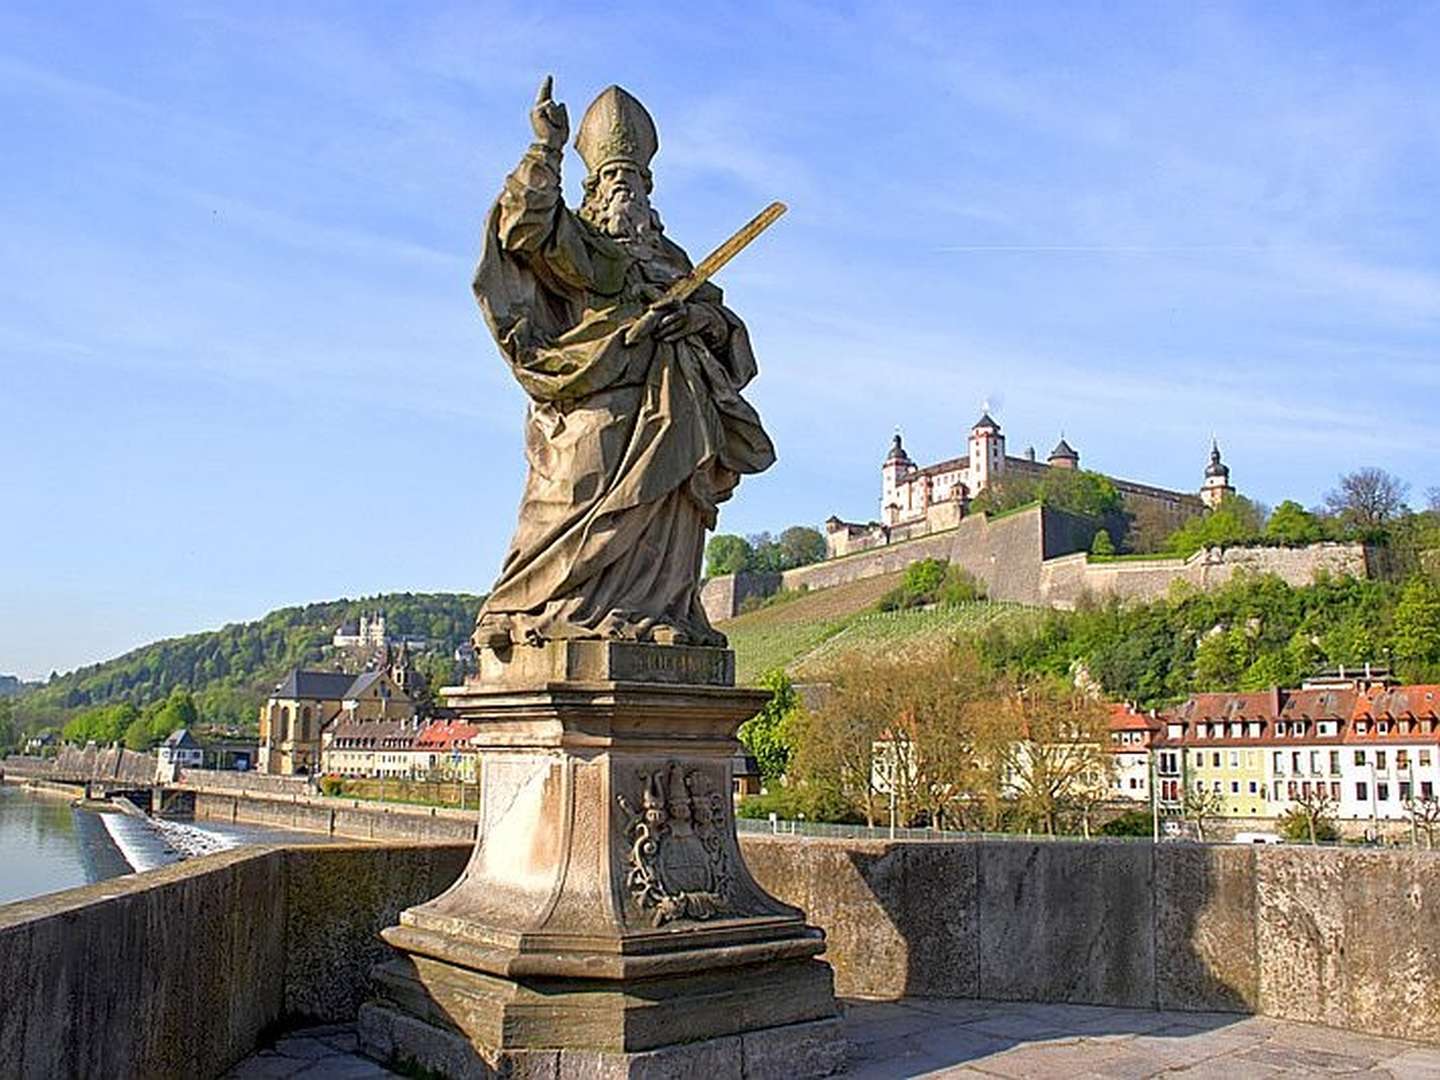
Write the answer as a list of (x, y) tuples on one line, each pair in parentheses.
[(1130, 823), (332, 785)]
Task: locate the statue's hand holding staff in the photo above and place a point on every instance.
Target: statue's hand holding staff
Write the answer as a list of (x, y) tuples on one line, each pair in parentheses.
[(548, 117)]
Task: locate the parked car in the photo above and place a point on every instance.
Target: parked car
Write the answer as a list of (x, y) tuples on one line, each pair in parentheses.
[(1258, 838)]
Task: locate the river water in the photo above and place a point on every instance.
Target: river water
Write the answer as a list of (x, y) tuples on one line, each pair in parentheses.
[(47, 845)]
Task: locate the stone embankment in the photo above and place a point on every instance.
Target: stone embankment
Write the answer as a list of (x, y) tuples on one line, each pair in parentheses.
[(351, 818), (175, 973)]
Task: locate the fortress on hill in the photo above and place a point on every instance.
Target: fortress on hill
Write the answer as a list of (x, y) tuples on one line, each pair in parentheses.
[(1036, 555), (917, 500)]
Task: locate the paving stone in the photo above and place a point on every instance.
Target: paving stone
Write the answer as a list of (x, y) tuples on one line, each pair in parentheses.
[(1415, 1063)]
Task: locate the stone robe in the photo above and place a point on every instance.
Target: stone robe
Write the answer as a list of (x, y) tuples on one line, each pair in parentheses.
[(630, 449)]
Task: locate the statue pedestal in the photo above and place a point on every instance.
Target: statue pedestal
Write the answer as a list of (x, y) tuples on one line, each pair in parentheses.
[(606, 924)]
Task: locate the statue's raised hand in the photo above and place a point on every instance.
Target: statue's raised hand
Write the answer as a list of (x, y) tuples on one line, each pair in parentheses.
[(549, 118)]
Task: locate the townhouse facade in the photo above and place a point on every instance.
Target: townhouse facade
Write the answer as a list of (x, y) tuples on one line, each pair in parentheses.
[(1359, 747)]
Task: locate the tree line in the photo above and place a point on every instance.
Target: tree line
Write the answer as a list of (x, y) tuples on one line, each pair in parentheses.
[(799, 545), (228, 672)]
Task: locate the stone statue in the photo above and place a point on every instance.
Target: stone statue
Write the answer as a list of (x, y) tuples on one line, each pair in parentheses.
[(630, 447)]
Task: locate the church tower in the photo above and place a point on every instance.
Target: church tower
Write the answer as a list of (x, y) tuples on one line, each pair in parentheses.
[(896, 467), (1217, 479), (987, 454)]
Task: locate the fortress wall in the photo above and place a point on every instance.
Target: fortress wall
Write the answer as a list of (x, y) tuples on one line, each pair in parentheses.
[(1065, 580), (1038, 556)]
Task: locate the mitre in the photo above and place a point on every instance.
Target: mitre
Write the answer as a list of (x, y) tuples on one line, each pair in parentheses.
[(616, 127)]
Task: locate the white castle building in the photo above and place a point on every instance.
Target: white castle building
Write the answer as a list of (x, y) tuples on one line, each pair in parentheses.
[(916, 499)]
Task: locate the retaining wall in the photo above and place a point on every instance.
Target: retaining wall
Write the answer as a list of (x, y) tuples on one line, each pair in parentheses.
[(351, 818)]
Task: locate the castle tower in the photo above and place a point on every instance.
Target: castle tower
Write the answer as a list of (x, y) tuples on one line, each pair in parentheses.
[(1064, 456), (1217, 479), (896, 467), (987, 454)]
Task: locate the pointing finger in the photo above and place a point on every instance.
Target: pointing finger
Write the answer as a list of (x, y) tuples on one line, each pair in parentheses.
[(546, 86)]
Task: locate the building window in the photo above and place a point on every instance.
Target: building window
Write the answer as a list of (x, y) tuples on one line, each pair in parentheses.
[(1254, 787), (1234, 787), (1359, 757), (1362, 791), (1427, 789), (1295, 762), (1216, 787), (1234, 759), (1335, 790), (1279, 763), (1380, 760), (1402, 759), (1424, 759), (1404, 791), (1382, 791), (1215, 759), (1334, 762)]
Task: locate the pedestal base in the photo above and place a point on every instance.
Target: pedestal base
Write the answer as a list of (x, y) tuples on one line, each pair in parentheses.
[(607, 924), (789, 1052)]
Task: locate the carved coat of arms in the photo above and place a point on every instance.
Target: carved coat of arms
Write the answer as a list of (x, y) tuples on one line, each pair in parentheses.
[(678, 863)]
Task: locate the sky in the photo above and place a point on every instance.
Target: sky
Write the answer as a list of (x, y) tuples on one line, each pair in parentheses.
[(241, 367)]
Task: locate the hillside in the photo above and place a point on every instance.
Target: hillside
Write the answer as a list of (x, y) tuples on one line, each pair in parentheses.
[(806, 634), (231, 669)]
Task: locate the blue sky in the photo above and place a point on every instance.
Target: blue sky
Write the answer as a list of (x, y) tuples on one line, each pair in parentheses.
[(240, 366)]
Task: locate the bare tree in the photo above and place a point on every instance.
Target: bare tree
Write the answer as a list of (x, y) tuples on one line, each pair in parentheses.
[(1313, 806), (1368, 498), (1049, 743), (1432, 498), (1200, 805), (1424, 814)]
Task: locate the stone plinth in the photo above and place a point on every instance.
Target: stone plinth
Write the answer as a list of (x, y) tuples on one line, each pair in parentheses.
[(606, 918)]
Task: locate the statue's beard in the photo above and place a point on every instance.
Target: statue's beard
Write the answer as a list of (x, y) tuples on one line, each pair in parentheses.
[(621, 213)]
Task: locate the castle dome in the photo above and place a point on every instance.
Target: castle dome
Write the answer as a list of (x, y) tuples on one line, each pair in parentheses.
[(1216, 466), (986, 422), (1063, 451), (897, 452)]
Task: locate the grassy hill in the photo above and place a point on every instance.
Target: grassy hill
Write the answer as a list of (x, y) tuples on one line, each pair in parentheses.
[(230, 670), (813, 630)]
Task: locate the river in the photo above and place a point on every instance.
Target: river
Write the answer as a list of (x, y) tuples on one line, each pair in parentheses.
[(47, 845)]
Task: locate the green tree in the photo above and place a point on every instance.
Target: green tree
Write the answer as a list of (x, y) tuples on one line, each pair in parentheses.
[(800, 545), (727, 554), (1102, 544), (137, 735), (9, 734), (1291, 523), (1236, 520), (1417, 629), (176, 712), (764, 734)]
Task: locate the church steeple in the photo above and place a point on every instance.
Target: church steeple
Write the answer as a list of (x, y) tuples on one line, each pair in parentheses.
[(1217, 478)]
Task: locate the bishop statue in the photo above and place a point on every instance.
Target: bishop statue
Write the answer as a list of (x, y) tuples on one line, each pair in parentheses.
[(636, 430)]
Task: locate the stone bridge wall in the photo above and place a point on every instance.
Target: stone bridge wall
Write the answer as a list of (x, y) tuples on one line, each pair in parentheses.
[(94, 763), (177, 972), (1347, 938)]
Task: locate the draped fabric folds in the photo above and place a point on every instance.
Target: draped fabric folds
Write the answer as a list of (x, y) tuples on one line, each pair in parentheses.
[(630, 448)]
